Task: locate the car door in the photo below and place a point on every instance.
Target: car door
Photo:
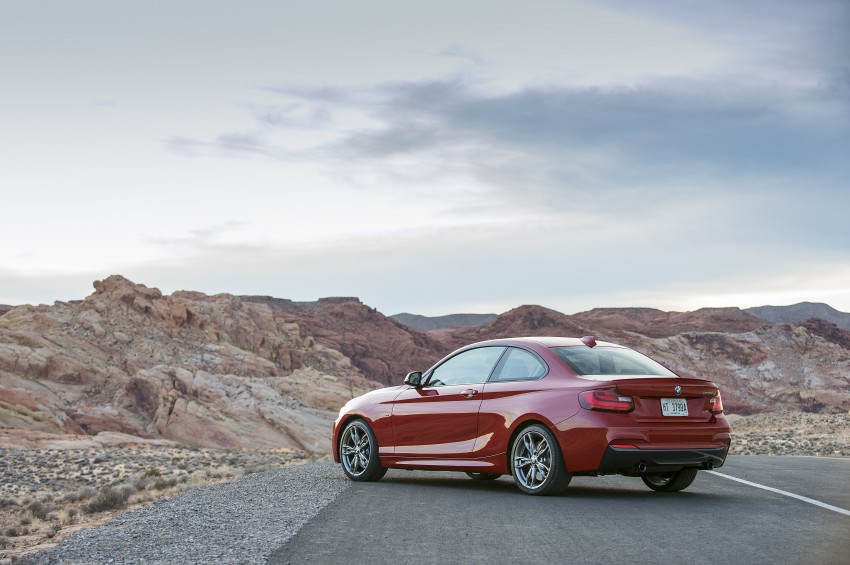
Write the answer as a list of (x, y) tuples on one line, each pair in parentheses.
[(440, 420), (514, 389)]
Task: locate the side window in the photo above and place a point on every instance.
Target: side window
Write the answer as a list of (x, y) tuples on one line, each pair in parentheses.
[(519, 365), (469, 367)]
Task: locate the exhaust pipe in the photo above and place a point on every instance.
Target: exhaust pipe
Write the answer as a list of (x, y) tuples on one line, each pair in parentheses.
[(642, 466), (709, 465)]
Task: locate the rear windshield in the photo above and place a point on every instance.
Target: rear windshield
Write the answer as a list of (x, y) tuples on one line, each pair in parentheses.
[(602, 360)]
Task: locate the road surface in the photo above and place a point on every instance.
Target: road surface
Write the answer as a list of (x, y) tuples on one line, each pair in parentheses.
[(428, 517)]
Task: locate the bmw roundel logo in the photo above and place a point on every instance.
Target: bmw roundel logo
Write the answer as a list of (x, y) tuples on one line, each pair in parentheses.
[(678, 389)]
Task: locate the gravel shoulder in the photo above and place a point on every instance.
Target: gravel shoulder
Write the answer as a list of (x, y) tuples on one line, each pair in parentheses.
[(242, 521)]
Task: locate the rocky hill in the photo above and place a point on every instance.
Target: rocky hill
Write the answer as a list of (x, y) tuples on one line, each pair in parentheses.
[(266, 373), (802, 312), (657, 323), (201, 370), (382, 348), (4, 308), (426, 323), (760, 366)]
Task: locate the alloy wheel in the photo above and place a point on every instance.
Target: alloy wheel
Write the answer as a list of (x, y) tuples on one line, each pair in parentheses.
[(532, 460), (355, 449)]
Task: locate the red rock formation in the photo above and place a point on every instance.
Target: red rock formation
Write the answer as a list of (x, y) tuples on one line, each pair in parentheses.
[(383, 349), (258, 372), (202, 370), (828, 331), (656, 323), (760, 366)]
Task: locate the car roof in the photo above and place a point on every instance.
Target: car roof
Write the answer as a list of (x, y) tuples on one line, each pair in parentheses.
[(545, 341)]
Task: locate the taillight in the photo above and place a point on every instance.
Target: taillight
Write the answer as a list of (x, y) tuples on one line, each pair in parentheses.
[(605, 400), (715, 404)]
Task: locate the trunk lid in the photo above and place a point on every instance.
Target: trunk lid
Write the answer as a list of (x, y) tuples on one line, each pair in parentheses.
[(647, 394)]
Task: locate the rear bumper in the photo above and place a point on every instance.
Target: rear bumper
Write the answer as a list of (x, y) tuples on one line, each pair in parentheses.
[(639, 461)]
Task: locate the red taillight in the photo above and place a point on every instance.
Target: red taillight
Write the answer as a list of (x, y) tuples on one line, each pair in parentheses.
[(715, 404), (606, 400)]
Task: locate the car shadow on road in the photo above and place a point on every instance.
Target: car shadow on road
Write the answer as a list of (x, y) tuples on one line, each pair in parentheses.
[(506, 487)]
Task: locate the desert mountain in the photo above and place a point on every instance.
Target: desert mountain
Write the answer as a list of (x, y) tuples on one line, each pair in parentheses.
[(382, 348), (760, 366), (4, 308), (802, 312), (426, 323), (263, 372), (201, 370)]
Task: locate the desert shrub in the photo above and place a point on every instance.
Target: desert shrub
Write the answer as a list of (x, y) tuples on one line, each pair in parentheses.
[(110, 498), (152, 473), (72, 512), (54, 529), (5, 501), (80, 494), (13, 532), (3, 543), (163, 484), (37, 510), (26, 519)]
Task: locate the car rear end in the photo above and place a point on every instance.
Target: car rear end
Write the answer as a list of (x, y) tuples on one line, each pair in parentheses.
[(635, 424)]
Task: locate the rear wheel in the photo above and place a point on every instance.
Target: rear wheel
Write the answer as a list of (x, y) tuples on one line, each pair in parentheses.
[(670, 482), (483, 476), (358, 452), (537, 463)]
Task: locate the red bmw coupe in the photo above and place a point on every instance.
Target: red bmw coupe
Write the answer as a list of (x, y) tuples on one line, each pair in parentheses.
[(542, 409)]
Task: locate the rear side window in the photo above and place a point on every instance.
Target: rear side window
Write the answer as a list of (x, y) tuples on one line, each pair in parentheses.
[(610, 361), (519, 365), (470, 367)]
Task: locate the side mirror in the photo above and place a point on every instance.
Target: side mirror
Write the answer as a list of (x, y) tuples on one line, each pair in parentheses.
[(414, 379)]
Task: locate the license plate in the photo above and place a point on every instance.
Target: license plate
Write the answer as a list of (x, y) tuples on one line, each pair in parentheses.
[(674, 407)]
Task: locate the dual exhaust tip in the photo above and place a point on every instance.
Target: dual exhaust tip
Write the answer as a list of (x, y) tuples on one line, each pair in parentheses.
[(708, 466)]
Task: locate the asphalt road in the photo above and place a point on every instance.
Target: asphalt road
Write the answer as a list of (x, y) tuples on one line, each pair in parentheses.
[(427, 517)]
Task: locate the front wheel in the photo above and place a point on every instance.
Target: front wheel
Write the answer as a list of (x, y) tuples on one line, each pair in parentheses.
[(483, 476), (537, 463), (358, 452), (670, 482)]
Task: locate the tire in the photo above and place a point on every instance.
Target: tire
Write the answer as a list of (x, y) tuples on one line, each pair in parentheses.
[(537, 463), (483, 476), (358, 452), (671, 482)]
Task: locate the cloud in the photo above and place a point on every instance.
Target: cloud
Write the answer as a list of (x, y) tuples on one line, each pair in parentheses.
[(762, 160), (231, 144), (774, 41)]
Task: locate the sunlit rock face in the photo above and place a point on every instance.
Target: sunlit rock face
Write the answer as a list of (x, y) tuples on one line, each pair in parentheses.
[(201, 370), (267, 373)]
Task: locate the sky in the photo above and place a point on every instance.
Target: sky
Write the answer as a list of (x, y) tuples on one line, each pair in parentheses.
[(429, 157)]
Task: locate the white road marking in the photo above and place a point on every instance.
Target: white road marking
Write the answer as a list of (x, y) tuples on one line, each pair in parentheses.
[(785, 493)]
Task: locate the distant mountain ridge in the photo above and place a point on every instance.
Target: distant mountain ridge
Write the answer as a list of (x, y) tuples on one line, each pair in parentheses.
[(760, 366), (263, 372), (428, 323), (801, 312)]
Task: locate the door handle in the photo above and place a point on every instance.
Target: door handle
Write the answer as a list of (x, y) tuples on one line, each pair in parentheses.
[(469, 393)]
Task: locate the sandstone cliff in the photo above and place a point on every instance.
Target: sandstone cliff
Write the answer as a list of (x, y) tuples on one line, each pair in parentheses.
[(261, 372), (201, 370), (382, 348)]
